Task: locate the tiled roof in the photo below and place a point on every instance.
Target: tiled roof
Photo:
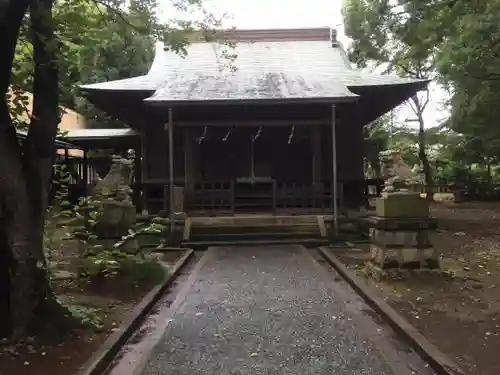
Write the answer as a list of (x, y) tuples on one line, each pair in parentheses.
[(238, 86), (74, 135), (269, 68), (22, 135)]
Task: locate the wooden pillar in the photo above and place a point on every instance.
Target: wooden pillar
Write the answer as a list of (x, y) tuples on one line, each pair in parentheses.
[(171, 168), (144, 170), (190, 159), (138, 175), (334, 173), (85, 171), (316, 155)]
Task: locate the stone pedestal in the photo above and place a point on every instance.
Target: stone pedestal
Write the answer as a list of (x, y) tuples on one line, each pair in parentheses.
[(404, 244), (399, 234), (402, 205), (177, 228), (116, 220)]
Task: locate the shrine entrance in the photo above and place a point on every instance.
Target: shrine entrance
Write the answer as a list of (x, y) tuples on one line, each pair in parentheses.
[(255, 169)]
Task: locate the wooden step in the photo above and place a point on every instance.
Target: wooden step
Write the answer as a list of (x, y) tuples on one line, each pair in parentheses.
[(248, 221), (315, 242)]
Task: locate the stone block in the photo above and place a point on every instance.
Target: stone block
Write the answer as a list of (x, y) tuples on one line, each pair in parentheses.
[(430, 253), (392, 255), (410, 255), (401, 238), (404, 258), (131, 246), (430, 258), (377, 254), (399, 224), (63, 275), (116, 218), (385, 258), (402, 205)]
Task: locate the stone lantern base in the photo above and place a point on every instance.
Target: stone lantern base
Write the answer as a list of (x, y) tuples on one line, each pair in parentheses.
[(399, 234)]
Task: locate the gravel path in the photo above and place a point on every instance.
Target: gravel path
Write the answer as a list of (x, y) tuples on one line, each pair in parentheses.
[(272, 310)]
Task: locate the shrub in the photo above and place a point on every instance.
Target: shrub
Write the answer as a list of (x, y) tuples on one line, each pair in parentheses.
[(108, 264)]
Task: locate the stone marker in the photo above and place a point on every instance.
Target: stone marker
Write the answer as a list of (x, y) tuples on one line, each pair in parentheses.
[(113, 193)]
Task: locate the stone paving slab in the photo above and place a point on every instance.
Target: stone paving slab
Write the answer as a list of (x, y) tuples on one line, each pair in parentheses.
[(272, 310)]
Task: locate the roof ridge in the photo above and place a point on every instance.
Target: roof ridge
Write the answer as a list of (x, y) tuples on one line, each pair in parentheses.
[(272, 35)]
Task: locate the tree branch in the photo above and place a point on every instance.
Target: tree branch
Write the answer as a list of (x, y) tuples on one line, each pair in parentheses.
[(412, 105), (426, 100), (407, 71), (11, 16), (484, 77), (120, 15), (449, 4)]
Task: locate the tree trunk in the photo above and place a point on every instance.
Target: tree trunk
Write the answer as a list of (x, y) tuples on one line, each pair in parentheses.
[(423, 158), (376, 168), (11, 17), (25, 188), (488, 172), (418, 108)]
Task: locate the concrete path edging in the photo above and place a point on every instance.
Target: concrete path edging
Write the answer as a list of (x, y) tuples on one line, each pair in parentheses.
[(155, 336), (100, 361), (438, 361)]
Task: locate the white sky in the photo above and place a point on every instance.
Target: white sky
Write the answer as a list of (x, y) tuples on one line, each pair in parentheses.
[(257, 14)]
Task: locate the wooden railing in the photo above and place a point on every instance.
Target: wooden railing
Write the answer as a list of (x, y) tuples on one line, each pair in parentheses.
[(307, 196), (80, 173), (270, 195), (373, 188), (211, 196), (441, 189)]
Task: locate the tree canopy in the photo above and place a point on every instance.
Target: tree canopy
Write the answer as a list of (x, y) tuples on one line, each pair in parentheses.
[(100, 41), (468, 65), (451, 41)]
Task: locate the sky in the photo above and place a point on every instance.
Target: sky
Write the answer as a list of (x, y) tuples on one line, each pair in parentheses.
[(258, 14)]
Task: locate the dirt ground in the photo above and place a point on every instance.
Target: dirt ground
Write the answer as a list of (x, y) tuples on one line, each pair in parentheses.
[(105, 307), (459, 309)]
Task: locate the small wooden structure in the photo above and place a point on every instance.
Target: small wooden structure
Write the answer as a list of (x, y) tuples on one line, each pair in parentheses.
[(97, 147), (277, 127)]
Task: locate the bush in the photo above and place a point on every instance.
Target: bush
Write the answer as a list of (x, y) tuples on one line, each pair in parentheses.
[(108, 264), (142, 270), (87, 316)]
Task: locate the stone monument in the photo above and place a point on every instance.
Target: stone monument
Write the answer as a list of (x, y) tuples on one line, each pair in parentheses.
[(112, 193), (399, 231)]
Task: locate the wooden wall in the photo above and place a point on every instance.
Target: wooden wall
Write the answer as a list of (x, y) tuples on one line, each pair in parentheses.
[(156, 153), (273, 155), (218, 160)]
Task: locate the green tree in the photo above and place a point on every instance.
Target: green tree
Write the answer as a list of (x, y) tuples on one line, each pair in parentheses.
[(27, 302), (95, 44), (376, 139), (468, 62), (109, 48), (401, 37)]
